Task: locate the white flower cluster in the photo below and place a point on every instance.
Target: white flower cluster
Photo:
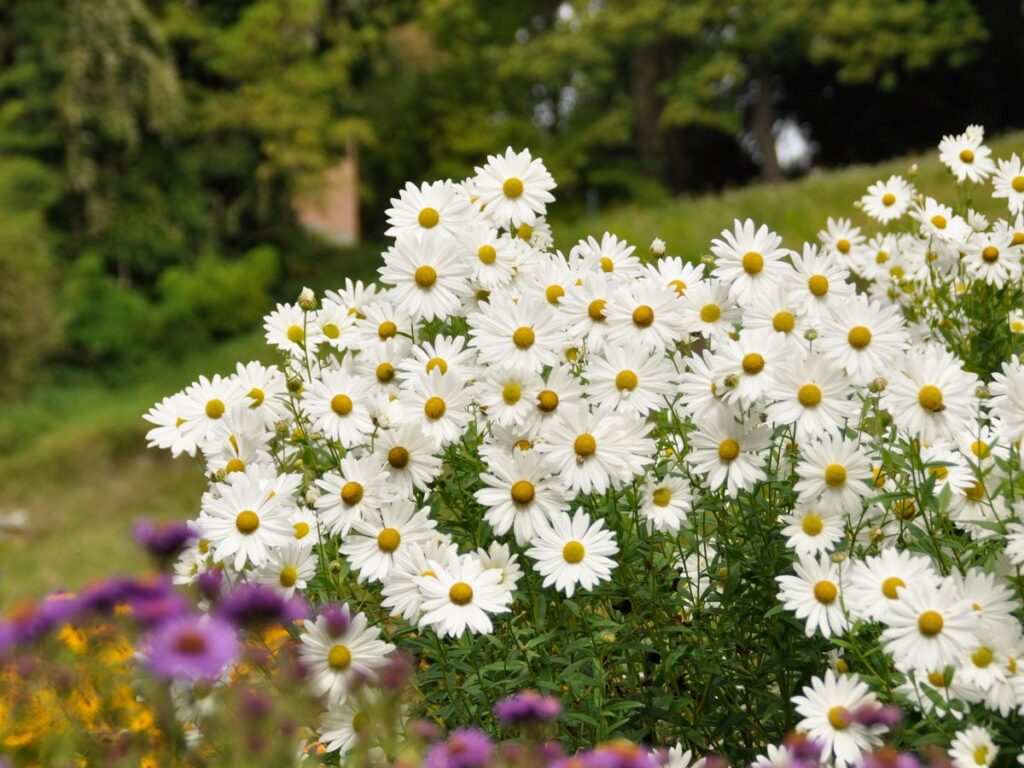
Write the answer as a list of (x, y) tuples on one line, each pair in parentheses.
[(567, 377)]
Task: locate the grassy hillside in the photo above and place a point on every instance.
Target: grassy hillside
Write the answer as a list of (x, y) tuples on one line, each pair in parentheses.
[(73, 458)]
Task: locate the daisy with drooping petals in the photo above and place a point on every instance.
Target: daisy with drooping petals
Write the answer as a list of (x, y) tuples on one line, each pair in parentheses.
[(340, 651), (344, 726), (427, 274), (939, 223), (932, 397), (595, 451), (666, 503), (461, 596), (630, 380), (499, 557), (828, 706), (514, 187), (747, 260), (360, 485), (244, 520), (729, 453), (521, 494), (966, 156), (427, 209), (401, 593), (929, 627), (574, 551), (815, 594), (525, 333), (608, 255), (834, 471), (863, 337), (380, 540), (888, 200), (265, 388), (168, 419)]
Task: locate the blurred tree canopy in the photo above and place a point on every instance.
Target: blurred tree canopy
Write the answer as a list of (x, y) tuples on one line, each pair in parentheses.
[(163, 142)]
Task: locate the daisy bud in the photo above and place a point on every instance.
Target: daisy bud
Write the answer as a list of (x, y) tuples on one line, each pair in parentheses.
[(810, 334), (219, 475), (307, 299), (913, 170), (708, 259), (294, 384), (731, 381), (878, 385), (335, 567), (312, 494), (657, 247), (281, 428), (838, 557), (982, 393), (607, 637)]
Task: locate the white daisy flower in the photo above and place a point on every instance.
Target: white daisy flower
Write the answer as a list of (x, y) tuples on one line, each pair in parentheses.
[(748, 261), (665, 503), (876, 583), (675, 273), (815, 594), (360, 485), (382, 538), (812, 394), (335, 322), (266, 390), (447, 354), (931, 396), (428, 276), (508, 396), (355, 296), (728, 453), (462, 595), (574, 551), (401, 593), (169, 420), (205, 403), (828, 706), (341, 653), (380, 321), (708, 309), (629, 380), (842, 238), (584, 310), (777, 310), (428, 209), (491, 256), (288, 568), (645, 314), (238, 440), (888, 200), (929, 627), (966, 157), (991, 257), (818, 281), (514, 188), (526, 333), (865, 338), (939, 692), (1008, 183), (292, 330), (436, 404), (973, 748), (344, 726), (410, 457), (833, 471), (743, 367), (608, 255), (938, 222), (813, 529), (378, 362), (521, 494), (337, 405), (499, 557)]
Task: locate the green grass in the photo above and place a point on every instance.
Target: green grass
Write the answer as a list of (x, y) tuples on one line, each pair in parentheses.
[(74, 457), (797, 209)]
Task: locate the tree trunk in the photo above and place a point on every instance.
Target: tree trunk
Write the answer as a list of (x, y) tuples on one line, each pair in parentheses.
[(764, 124), (647, 106)]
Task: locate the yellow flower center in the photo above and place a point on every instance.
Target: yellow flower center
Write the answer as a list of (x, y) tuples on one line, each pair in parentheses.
[(753, 262), (331, 331), (728, 449), (547, 400), (523, 445), (661, 497), (425, 276), (289, 575), (1018, 238), (990, 254), (710, 313), (890, 585), (843, 245), (809, 395), (967, 155), (643, 316), (596, 310), (351, 493), (385, 373), (839, 718), (523, 337), (573, 552), (434, 408), (679, 285), (859, 337), (295, 334), (835, 475), (982, 657), (339, 657), (512, 187), (341, 405), (437, 362), (553, 293), (429, 217), (818, 285), (387, 329), (881, 257), (937, 679), (301, 530), (607, 265), (523, 492), (585, 445), (626, 380), (980, 753), (812, 524), (753, 364), (783, 322), (825, 592), (930, 623), (842, 667), (888, 199), (939, 221), (388, 540), (511, 393), (930, 398), (247, 522), (1017, 183), (976, 492), (487, 254), (215, 408), (235, 465), (257, 396), (461, 593), (524, 232), (980, 449), (398, 457), (360, 722)]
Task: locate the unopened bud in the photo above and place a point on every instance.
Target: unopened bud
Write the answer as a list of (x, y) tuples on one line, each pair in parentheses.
[(982, 393), (307, 299), (838, 557), (877, 385), (657, 247), (282, 428), (607, 637), (219, 475), (913, 170), (731, 380), (708, 259), (294, 384), (312, 494), (810, 334)]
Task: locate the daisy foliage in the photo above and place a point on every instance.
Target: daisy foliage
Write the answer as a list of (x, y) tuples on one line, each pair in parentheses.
[(702, 503)]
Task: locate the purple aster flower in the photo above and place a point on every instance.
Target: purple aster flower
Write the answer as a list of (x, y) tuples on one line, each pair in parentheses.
[(164, 541), (210, 584), (191, 647), (31, 621), (254, 605), (465, 748), (619, 754), (337, 618), (874, 715), (889, 757), (527, 707)]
